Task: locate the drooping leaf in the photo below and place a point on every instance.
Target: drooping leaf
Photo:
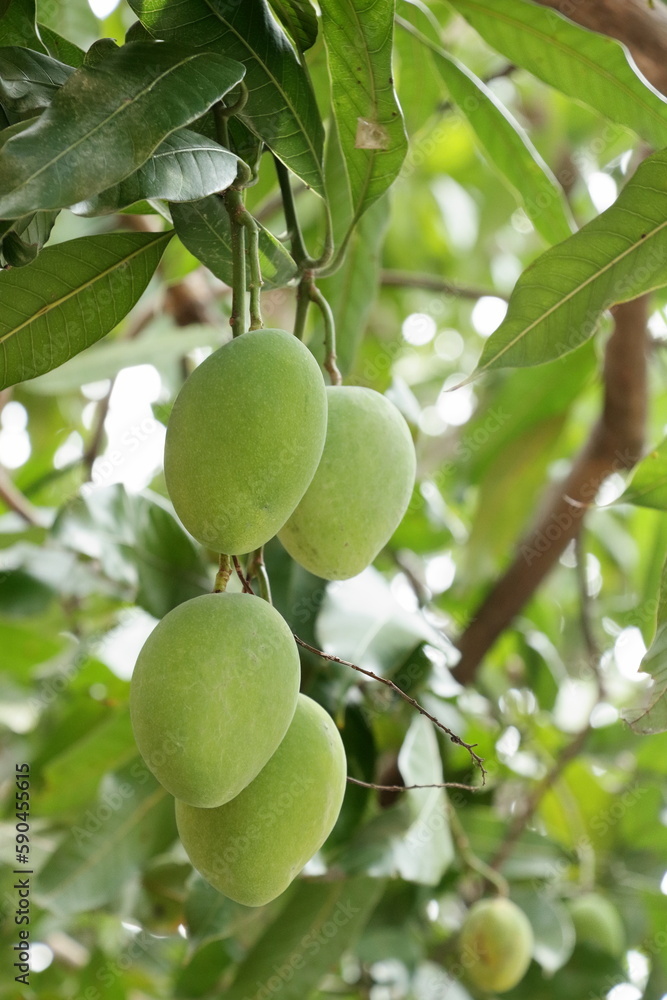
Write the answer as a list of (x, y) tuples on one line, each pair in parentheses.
[(26, 238), (300, 20), (589, 67), (281, 106), (131, 819), (203, 227), (507, 147), (106, 121), (358, 37), (17, 25), (185, 167), (61, 48), (307, 938), (29, 80), (557, 301), (648, 486), (70, 297)]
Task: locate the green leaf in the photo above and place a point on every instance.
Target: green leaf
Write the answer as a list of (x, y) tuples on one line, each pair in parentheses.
[(553, 929), (557, 301), (131, 820), (307, 938), (137, 540), (71, 778), (70, 297), (203, 227), (29, 80), (300, 20), (26, 238), (507, 147), (17, 25), (591, 68), (358, 36), (426, 850), (61, 48), (648, 486), (281, 107), (106, 121), (651, 715), (23, 647), (185, 167)]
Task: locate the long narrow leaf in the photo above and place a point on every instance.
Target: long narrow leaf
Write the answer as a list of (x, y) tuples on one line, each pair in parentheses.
[(106, 121), (591, 68), (70, 297), (281, 107), (557, 301), (358, 35), (507, 146)]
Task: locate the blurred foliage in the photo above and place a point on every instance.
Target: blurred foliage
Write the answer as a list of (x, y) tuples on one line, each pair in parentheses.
[(116, 909)]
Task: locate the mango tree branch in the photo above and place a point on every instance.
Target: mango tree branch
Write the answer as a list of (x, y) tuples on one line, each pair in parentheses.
[(615, 443)]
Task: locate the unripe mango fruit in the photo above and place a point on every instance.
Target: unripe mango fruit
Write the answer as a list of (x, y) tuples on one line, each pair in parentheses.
[(597, 923), (244, 439), (495, 944), (361, 488), (212, 695), (252, 848)]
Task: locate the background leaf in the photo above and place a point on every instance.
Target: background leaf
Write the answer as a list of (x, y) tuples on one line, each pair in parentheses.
[(73, 294), (185, 166), (508, 148), (308, 937), (203, 227), (648, 486), (616, 257), (651, 715), (17, 25), (131, 820), (358, 37), (61, 48), (589, 67), (281, 106), (96, 132)]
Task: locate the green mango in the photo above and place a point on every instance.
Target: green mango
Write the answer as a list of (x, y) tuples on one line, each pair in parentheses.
[(244, 439), (212, 695), (495, 945), (252, 848), (597, 923), (361, 489)]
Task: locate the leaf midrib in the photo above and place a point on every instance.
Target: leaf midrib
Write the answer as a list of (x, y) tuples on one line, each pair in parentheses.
[(44, 310), (570, 295), (101, 124)]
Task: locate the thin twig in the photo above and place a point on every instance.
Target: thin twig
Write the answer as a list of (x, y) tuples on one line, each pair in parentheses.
[(431, 283), (11, 495), (409, 788), (479, 761), (585, 616), (247, 589), (329, 333), (468, 856)]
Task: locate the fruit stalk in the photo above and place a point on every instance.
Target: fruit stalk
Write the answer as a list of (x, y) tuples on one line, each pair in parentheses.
[(223, 574)]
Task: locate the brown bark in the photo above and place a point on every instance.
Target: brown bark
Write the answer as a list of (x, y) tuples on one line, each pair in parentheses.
[(615, 444), (639, 24)]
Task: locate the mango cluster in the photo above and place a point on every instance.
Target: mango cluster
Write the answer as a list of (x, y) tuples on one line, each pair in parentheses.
[(256, 446)]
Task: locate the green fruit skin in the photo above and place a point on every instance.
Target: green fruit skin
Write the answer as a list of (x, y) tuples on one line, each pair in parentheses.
[(597, 923), (244, 439), (212, 695), (496, 944), (361, 489), (252, 848)]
